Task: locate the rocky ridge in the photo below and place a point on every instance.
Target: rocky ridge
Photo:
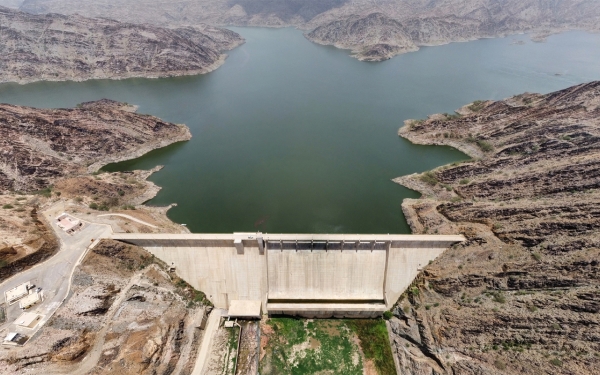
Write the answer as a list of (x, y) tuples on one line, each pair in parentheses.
[(373, 30), (54, 47), (39, 146), (521, 294)]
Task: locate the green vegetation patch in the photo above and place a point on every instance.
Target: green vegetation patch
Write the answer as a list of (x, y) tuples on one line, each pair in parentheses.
[(375, 344), (325, 346)]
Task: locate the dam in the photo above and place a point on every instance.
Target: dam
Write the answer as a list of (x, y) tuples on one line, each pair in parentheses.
[(308, 275)]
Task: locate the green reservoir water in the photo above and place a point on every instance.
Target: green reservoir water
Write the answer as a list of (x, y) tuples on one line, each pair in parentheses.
[(290, 136)]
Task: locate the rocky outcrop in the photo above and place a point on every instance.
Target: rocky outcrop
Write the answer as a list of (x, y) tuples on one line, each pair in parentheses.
[(37, 146), (54, 47), (520, 295), (402, 26), (375, 37), (373, 30)]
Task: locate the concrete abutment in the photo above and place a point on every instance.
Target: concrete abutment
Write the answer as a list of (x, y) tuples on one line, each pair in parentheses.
[(308, 275)]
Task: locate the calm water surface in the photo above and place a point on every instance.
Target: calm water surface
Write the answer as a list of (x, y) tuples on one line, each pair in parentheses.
[(290, 136)]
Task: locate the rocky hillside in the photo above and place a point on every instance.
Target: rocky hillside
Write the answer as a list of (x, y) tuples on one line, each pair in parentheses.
[(389, 28), (374, 30), (522, 294), (53, 47), (37, 146)]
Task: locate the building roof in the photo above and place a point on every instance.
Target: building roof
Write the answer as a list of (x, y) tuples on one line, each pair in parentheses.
[(249, 309), (11, 336), (28, 320), (29, 300), (17, 292)]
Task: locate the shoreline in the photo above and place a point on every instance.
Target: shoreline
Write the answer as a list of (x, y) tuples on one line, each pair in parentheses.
[(117, 77)]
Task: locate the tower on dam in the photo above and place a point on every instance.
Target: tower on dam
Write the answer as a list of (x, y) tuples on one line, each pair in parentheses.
[(310, 275)]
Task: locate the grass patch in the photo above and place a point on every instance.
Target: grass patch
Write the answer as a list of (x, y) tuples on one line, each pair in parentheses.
[(374, 343), (326, 346), (7, 206)]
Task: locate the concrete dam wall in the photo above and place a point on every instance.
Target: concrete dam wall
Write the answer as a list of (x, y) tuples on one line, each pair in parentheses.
[(308, 275)]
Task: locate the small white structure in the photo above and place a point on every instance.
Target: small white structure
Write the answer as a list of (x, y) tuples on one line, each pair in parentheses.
[(28, 320), (68, 223), (246, 309), (17, 293), (14, 339), (29, 300)]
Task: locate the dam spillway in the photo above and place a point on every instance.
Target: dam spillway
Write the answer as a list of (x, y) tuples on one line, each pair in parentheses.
[(311, 275)]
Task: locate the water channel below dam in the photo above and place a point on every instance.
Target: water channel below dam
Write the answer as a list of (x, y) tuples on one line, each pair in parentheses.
[(293, 137)]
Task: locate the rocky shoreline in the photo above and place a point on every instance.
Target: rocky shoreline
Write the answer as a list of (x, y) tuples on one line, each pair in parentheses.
[(54, 47), (39, 146), (521, 294)]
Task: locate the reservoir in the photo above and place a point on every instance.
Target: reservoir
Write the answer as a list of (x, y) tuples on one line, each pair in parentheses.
[(294, 137)]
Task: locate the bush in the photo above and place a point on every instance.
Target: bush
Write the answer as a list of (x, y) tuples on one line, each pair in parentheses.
[(78, 199), (121, 193), (429, 178), (464, 181), (499, 364), (499, 297), (485, 146), (387, 315), (7, 206), (94, 206), (477, 105), (556, 362)]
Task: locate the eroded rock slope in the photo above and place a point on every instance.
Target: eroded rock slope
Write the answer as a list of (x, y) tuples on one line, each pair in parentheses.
[(374, 30), (54, 47), (37, 146), (522, 294)]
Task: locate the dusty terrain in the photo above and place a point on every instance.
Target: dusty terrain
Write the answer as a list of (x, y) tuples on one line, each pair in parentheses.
[(54, 47), (38, 146), (125, 314), (521, 295), (373, 30)]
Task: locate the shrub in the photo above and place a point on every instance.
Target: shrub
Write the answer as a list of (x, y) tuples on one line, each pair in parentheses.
[(536, 256), (499, 364), (387, 315), (499, 297), (94, 206), (464, 181), (477, 105), (485, 146), (121, 193), (556, 362), (429, 178), (7, 206), (78, 199)]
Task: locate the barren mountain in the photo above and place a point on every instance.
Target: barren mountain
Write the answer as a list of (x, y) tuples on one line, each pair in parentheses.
[(521, 295), (54, 47), (374, 30), (37, 146)]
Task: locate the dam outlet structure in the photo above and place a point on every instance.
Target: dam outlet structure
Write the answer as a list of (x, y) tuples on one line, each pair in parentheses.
[(308, 275)]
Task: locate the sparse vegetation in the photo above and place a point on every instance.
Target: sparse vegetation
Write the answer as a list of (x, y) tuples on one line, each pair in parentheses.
[(477, 105), (387, 315), (429, 178), (485, 146), (7, 206), (464, 181)]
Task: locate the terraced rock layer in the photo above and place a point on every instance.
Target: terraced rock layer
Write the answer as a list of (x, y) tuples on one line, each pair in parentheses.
[(521, 295), (54, 47), (38, 146), (373, 30)]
